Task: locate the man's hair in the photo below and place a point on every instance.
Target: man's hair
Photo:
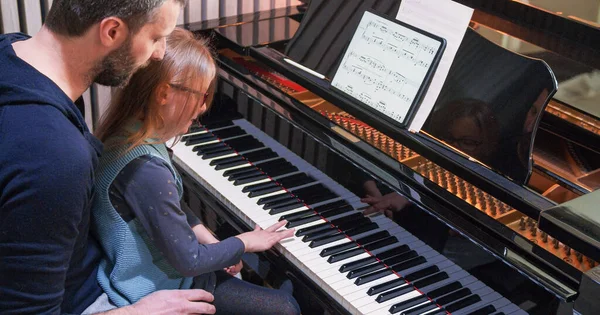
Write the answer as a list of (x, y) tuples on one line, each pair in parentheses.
[(75, 17)]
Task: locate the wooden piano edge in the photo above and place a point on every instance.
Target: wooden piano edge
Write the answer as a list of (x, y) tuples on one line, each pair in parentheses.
[(278, 263)]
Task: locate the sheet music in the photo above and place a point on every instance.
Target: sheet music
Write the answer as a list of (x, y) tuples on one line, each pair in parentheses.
[(385, 65), (444, 18)]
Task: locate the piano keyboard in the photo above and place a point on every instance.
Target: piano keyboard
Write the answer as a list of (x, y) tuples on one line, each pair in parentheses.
[(369, 264)]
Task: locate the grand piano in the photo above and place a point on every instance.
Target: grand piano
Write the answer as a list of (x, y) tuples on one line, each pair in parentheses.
[(504, 224)]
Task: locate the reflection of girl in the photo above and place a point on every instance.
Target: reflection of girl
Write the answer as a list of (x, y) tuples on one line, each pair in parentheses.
[(151, 243), (468, 125)]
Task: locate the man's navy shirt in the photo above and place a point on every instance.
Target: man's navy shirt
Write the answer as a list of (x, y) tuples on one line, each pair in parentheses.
[(48, 261)]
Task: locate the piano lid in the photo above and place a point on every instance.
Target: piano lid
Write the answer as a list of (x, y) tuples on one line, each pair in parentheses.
[(326, 30), (490, 105)]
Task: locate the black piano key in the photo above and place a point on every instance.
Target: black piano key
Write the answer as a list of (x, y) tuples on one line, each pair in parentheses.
[(363, 262), (227, 160), (402, 281), (450, 287), (283, 170), (348, 218), (259, 155), (298, 215), (408, 303), (262, 192), (486, 310), (310, 190), (363, 240), (372, 276), (244, 143), (241, 170), (326, 240), (275, 198), (470, 300), (420, 309), (229, 164), (422, 273), (218, 124), (250, 179), (501, 313), (380, 243), (286, 208), (387, 286), (314, 228), (409, 264), (281, 202), (365, 270), (199, 139), (217, 153), (337, 249), (228, 132), (319, 198), (431, 279), (404, 257), (357, 264), (394, 293), (453, 297), (407, 256), (253, 187), (298, 222), (362, 228), (320, 233), (344, 255), (196, 128), (246, 174), (203, 148), (275, 163), (331, 206), (335, 211), (295, 180)]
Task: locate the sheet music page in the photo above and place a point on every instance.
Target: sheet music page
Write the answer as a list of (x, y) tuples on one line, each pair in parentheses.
[(385, 65), (444, 18)]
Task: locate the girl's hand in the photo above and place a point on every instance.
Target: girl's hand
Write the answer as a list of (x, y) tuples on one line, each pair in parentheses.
[(235, 269), (260, 240)]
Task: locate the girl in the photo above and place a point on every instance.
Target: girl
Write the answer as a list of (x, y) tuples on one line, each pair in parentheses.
[(150, 242)]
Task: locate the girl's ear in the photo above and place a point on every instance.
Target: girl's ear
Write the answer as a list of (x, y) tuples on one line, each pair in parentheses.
[(162, 93)]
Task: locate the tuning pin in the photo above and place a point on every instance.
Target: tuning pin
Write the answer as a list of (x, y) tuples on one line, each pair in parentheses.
[(522, 224), (555, 242), (568, 250), (533, 231), (544, 237), (579, 256)]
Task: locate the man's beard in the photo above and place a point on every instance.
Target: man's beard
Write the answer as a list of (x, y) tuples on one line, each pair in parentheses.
[(117, 68)]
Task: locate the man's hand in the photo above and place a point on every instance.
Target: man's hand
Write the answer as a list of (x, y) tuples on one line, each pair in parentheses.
[(165, 302), (235, 269), (260, 240), (387, 204)]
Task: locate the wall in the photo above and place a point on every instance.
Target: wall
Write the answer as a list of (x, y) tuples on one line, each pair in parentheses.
[(27, 16)]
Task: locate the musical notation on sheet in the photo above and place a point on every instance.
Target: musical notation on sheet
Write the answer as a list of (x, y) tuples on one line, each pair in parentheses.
[(385, 65)]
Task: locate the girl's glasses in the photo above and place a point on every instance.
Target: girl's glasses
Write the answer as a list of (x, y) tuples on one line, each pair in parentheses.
[(200, 95)]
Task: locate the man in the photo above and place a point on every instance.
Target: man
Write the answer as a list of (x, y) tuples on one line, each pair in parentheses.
[(48, 261)]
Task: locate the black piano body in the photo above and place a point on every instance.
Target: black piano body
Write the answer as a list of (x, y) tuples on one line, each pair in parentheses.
[(481, 220)]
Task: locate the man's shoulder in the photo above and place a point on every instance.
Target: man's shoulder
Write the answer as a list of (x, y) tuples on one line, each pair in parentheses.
[(41, 130)]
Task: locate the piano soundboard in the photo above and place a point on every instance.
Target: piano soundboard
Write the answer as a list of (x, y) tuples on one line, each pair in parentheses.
[(368, 264)]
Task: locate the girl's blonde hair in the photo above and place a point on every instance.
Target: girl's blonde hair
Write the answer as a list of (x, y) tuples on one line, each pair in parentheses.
[(187, 59)]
